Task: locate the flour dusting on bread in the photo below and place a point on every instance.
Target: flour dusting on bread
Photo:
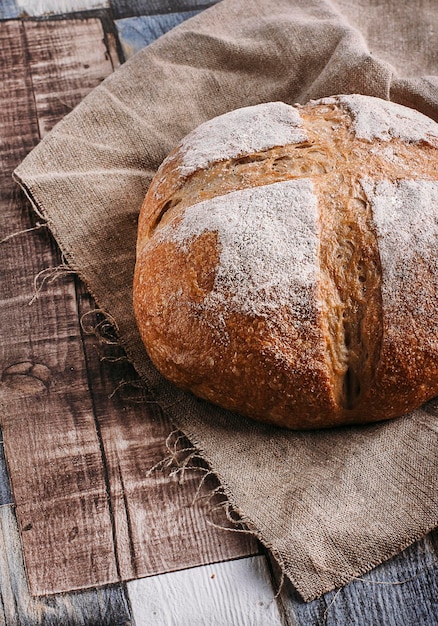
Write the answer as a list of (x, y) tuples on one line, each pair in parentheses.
[(405, 214), (374, 118), (268, 241), (243, 131)]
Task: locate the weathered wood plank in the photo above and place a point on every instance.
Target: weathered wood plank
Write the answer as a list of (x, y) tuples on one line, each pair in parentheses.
[(137, 32), (158, 527), (404, 590), (50, 437), (67, 59), (234, 593), (49, 7), (8, 9), (147, 512), (18, 126), (108, 606), (129, 8)]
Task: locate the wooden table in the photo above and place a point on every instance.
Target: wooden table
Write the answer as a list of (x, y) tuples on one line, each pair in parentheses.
[(94, 537)]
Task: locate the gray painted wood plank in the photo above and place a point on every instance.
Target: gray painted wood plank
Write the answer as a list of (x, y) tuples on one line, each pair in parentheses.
[(130, 8), (8, 9), (401, 592), (137, 32), (5, 483)]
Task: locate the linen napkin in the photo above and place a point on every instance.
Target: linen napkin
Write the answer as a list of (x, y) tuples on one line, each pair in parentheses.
[(329, 504)]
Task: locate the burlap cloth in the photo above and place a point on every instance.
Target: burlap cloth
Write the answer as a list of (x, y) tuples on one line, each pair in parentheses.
[(330, 505)]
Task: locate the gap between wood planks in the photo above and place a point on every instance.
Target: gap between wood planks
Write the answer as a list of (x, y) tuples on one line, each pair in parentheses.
[(79, 458)]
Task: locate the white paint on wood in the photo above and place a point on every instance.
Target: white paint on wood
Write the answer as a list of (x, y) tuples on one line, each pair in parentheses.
[(47, 7), (232, 593)]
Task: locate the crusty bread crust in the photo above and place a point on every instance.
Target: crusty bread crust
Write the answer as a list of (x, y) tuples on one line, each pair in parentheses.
[(293, 278)]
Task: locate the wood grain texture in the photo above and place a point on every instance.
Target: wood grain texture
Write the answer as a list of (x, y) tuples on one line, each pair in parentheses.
[(108, 606), (18, 126), (147, 512), (237, 593), (140, 524), (67, 59), (48, 424), (88, 477), (8, 9), (137, 32), (50, 7), (158, 526), (130, 8), (401, 592)]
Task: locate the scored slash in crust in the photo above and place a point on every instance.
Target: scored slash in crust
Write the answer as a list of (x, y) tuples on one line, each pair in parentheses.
[(286, 262)]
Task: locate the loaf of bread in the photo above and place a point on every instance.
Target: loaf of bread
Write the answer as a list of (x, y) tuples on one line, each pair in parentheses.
[(287, 262)]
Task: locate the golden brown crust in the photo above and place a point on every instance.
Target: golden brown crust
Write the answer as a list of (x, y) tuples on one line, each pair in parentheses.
[(342, 359)]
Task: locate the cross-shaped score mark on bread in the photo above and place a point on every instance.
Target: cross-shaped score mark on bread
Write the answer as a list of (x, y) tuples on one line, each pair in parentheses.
[(296, 282)]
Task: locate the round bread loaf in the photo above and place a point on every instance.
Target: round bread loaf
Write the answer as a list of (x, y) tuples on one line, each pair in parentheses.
[(287, 262)]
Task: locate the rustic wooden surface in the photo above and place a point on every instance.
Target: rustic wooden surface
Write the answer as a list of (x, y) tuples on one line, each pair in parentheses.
[(73, 446), (48, 424), (226, 593), (79, 435)]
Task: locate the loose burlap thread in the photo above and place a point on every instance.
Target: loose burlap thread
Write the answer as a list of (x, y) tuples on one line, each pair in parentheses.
[(329, 504)]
